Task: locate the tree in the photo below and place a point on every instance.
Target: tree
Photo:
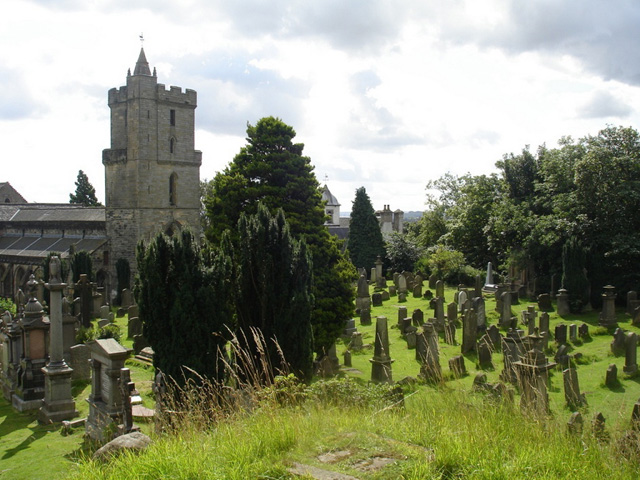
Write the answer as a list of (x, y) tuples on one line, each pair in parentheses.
[(271, 169), (273, 290), (182, 295), (402, 252), (123, 272), (573, 278), (81, 263), (365, 241), (85, 193)]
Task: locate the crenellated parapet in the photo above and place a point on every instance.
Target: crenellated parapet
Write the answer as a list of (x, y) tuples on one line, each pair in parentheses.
[(175, 94)]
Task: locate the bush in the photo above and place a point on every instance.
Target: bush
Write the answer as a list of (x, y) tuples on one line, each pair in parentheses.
[(6, 305), (449, 265)]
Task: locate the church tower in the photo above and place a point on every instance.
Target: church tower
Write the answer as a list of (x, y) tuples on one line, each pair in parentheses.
[(152, 171)]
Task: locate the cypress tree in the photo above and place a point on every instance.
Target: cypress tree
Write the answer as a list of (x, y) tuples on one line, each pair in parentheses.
[(85, 193), (123, 272), (365, 242), (81, 263)]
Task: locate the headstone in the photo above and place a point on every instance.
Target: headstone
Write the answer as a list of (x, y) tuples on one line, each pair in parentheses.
[(532, 374), (598, 426), (139, 342), (349, 328), (410, 334), (469, 332), (619, 342), (572, 394), (105, 311), (505, 314), (103, 322), (406, 322), (583, 331), (489, 278), (512, 349), (495, 338), (127, 298), (347, 358), (356, 343), (561, 334), (479, 307), (381, 282), (417, 291), (381, 361), (376, 299), (500, 289), (402, 284), (402, 314), (365, 316), (417, 317), (329, 364), (133, 311), (127, 390), (402, 297), (363, 300), (452, 312), (462, 298), (477, 290), (574, 425), (611, 377), (134, 327), (484, 352), (373, 277), (631, 352), (421, 346), (417, 280), (80, 358), (544, 302), (430, 368), (562, 302), (457, 367), (562, 356), (573, 332), (450, 333), (440, 289), (428, 295), (385, 295), (432, 281), (608, 314), (438, 312), (393, 291), (543, 325)]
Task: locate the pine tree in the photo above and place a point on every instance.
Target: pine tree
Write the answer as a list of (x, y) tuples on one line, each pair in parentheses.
[(85, 193), (273, 273), (271, 169), (182, 294), (365, 242)]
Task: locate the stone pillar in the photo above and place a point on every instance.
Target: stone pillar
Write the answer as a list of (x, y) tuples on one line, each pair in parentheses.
[(381, 282), (58, 402), (631, 352), (608, 313), (562, 300), (381, 361)]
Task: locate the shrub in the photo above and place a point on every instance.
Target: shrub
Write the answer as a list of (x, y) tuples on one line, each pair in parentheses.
[(6, 305)]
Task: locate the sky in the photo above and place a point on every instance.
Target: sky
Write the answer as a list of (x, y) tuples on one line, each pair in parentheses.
[(384, 94)]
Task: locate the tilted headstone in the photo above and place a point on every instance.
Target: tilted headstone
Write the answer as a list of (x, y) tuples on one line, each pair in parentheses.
[(495, 338), (562, 356), (532, 374), (574, 425), (418, 317), (611, 377), (450, 333), (618, 343), (457, 367), (438, 311), (631, 352), (512, 349), (572, 394), (430, 368), (421, 346), (598, 426)]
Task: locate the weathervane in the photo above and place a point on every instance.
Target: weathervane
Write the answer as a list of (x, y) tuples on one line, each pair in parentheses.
[(142, 40), (326, 178)]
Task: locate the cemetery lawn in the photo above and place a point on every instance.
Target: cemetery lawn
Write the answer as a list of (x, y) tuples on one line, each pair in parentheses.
[(444, 431)]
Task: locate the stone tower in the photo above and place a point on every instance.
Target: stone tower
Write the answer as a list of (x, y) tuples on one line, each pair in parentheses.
[(152, 171)]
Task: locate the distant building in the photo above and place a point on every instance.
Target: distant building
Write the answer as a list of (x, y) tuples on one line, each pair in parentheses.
[(339, 226), (152, 180)]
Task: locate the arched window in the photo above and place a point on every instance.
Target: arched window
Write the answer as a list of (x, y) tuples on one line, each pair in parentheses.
[(173, 189)]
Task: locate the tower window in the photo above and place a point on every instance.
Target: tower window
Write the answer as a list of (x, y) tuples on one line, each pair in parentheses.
[(173, 187), (172, 117), (172, 144)]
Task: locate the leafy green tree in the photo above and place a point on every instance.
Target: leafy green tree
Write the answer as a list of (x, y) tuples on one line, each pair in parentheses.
[(123, 272), (273, 290), (365, 241), (574, 279), (81, 263), (182, 295), (402, 252), (85, 193), (271, 169)]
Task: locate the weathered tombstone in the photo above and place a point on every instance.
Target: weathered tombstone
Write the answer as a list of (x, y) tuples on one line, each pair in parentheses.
[(481, 314), (58, 403), (421, 345), (562, 356), (127, 298), (139, 342), (544, 302), (505, 313), (543, 325), (450, 333), (611, 377), (105, 401), (385, 295), (406, 322), (134, 327), (573, 332), (80, 362), (532, 374), (562, 301), (373, 277), (402, 297), (572, 394), (347, 358), (432, 281), (133, 311), (477, 290), (452, 312), (500, 289), (105, 311), (103, 322), (430, 368), (402, 314), (86, 300), (462, 298), (402, 284), (440, 289), (561, 334), (417, 280), (618, 342), (598, 426), (608, 314), (469, 332), (417, 291), (365, 316), (376, 299), (495, 338), (457, 367), (484, 352), (574, 425), (393, 291), (349, 328), (417, 317), (381, 361), (381, 282), (438, 312), (583, 331), (410, 336), (512, 349), (356, 342), (363, 300), (631, 352)]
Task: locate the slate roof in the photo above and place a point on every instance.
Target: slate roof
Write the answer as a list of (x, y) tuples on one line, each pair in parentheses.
[(48, 212)]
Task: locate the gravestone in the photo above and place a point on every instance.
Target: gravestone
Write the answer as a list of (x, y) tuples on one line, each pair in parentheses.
[(512, 349), (532, 374), (347, 358), (381, 361), (417, 317), (457, 367), (432, 281), (562, 302), (631, 352), (363, 300), (611, 377), (608, 314), (462, 298), (562, 356), (450, 333), (469, 332), (440, 289), (139, 343), (385, 295), (133, 311), (134, 327), (105, 311), (498, 296), (574, 425), (376, 299), (329, 364), (428, 295), (430, 368), (618, 343), (356, 343), (393, 291), (505, 313), (406, 323), (583, 331), (365, 316), (84, 288), (477, 290), (103, 322), (572, 394), (484, 352), (417, 291), (80, 362), (438, 312), (495, 338), (349, 328), (543, 325), (402, 297), (452, 312), (373, 277), (381, 282), (410, 336), (481, 314), (421, 345), (544, 302), (598, 426), (402, 314), (127, 298), (573, 332), (632, 302), (561, 334), (402, 284)]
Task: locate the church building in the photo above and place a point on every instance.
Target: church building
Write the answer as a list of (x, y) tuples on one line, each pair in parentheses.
[(152, 184)]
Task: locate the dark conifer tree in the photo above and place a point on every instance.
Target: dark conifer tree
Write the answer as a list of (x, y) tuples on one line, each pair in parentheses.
[(81, 263), (85, 193), (365, 242), (123, 272), (574, 279)]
